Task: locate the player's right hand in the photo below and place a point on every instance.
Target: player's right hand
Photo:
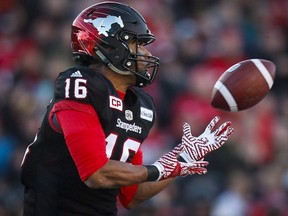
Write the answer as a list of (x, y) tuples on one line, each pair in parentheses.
[(196, 148), (169, 166)]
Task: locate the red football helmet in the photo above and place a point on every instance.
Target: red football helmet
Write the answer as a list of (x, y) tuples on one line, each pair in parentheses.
[(102, 32)]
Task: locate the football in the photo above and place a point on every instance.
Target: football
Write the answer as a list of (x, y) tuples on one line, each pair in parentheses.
[(243, 85)]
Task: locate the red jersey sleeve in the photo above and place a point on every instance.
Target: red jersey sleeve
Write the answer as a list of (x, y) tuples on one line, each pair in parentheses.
[(126, 194), (83, 134)]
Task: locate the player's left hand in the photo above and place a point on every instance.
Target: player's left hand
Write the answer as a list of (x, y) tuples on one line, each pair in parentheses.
[(169, 166), (195, 148)]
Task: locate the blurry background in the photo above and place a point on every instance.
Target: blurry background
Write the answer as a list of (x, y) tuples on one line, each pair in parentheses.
[(197, 40)]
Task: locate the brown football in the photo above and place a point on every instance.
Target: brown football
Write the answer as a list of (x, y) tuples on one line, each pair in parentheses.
[(243, 85)]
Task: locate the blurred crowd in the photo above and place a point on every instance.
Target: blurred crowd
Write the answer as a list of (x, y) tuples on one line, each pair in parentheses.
[(196, 40)]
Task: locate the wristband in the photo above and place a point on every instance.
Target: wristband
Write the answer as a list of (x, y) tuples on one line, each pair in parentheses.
[(153, 173)]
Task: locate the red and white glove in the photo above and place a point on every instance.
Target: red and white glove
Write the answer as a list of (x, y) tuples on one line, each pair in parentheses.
[(196, 148), (168, 166)]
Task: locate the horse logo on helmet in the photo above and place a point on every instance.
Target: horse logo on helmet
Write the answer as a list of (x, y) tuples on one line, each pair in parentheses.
[(103, 24)]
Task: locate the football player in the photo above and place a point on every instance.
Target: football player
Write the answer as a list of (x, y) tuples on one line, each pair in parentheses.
[(87, 152)]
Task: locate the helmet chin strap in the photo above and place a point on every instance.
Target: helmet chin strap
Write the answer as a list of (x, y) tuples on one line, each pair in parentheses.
[(110, 65), (140, 81)]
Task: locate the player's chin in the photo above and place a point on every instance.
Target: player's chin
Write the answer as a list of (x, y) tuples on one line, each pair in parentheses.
[(131, 80)]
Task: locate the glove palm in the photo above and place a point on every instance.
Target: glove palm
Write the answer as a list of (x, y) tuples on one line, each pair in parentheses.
[(196, 148)]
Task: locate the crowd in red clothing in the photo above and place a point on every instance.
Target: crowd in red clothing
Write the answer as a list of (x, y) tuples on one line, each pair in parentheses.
[(196, 42)]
